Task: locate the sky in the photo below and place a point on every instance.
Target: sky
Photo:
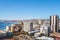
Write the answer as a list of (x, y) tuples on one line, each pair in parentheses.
[(28, 9)]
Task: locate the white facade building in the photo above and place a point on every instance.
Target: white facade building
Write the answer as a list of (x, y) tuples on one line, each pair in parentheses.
[(44, 29), (7, 28), (44, 38), (54, 23), (28, 26), (2, 33)]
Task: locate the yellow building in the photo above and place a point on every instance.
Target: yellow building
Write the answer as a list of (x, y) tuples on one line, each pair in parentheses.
[(40, 22)]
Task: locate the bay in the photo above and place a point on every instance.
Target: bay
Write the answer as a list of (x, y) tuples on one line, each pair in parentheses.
[(4, 24)]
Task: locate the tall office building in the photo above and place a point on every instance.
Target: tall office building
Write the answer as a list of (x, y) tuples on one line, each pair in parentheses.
[(54, 23)]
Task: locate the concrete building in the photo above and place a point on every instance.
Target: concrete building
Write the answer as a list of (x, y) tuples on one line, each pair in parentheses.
[(34, 24), (45, 30), (40, 22), (28, 26), (17, 27), (2, 32), (36, 34), (46, 22), (9, 28), (44, 38), (54, 23)]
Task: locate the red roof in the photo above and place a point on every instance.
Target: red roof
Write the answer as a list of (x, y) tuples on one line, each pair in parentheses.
[(55, 35)]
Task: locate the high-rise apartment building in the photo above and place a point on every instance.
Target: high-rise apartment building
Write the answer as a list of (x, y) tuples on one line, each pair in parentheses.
[(28, 26), (54, 23)]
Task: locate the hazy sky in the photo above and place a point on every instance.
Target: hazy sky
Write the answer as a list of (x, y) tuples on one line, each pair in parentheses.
[(28, 9)]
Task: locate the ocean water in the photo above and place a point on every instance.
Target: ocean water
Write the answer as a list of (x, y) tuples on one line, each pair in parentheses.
[(4, 24)]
